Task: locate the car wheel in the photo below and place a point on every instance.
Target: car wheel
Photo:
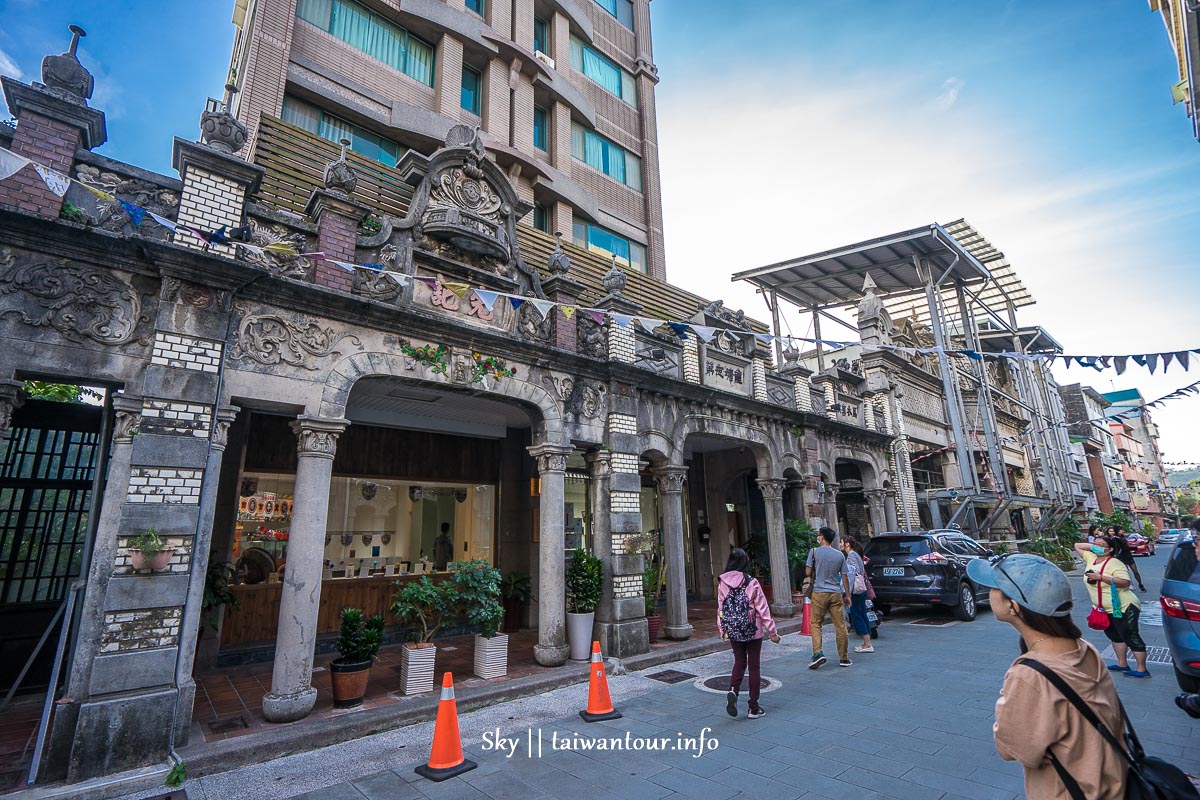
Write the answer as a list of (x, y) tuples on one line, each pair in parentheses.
[(1186, 682), (965, 610)]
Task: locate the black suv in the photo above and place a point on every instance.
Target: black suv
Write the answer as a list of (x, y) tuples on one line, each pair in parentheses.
[(925, 569)]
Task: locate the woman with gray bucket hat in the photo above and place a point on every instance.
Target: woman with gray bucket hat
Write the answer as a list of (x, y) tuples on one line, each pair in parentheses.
[(1036, 724)]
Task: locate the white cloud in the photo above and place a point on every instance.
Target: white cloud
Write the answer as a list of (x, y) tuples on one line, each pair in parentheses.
[(949, 96), (8, 66)]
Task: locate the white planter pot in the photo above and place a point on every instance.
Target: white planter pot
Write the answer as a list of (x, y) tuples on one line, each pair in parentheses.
[(491, 656), (416, 668), (579, 635)]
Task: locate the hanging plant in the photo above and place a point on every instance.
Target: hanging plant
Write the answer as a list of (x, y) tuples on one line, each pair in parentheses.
[(433, 357), (493, 366)]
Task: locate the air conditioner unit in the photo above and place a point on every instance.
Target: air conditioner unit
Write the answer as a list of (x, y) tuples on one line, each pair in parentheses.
[(545, 59)]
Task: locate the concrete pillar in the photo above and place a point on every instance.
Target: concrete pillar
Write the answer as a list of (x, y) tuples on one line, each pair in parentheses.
[(793, 499), (889, 510), (781, 582), (292, 695), (831, 517), (551, 649), (447, 78), (600, 466), (876, 512), (670, 489)]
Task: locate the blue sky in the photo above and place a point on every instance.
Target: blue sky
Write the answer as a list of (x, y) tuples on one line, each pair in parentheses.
[(790, 127)]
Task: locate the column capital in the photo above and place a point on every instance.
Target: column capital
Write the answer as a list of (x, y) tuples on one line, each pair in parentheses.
[(221, 422), (128, 418), (600, 462), (771, 488), (317, 436), (550, 457), (670, 478), (10, 400)]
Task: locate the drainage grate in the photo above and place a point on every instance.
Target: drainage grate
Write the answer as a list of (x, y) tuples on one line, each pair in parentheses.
[(228, 724), (1159, 655), (671, 676), (934, 621), (720, 683)]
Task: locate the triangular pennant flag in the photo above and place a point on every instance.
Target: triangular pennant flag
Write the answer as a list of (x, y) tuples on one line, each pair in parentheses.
[(649, 323), (318, 256), (1139, 360), (765, 338), (1182, 357), (1152, 362), (253, 248), (55, 181), (428, 281), (282, 248), (681, 330), (136, 213), (971, 354), (168, 224), (11, 163), (568, 311), (373, 267), (198, 234), (596, 315), (459, 289), (1166, 357), (343, 264), (105, 196), (622, 319), (1106, 362), (543, 306), (517, 302), (704, 332), (488, 298), (1120, 362)]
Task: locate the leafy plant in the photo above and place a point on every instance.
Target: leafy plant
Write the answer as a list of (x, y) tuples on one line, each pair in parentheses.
[(176, 776), (148, 543), (1049, 549), (1116, 519), (517, 586), (651, 583), (217, 594), (370, 225), (434, 357), (72, 213), (1000, 548), (584, 578), (361, 637), (1149, 531), (801, 537), (423, 605), (58, 392), (1067, 532), (477, 584), (490, 365)]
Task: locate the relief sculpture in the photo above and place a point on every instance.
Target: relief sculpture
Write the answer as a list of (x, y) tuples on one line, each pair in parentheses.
[(271, 339)]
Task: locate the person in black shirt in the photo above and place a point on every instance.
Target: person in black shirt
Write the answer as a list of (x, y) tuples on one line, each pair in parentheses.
[(1124, 554)]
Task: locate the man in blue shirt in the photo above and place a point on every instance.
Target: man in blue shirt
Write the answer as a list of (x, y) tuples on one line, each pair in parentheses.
[(830, 583)]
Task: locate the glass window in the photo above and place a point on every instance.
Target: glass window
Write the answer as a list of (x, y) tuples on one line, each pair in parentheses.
[(476, 6), (470, 90), (372, 34), (539, 128), (621, 9), (897, 547), (602, 70), (541, 40), (540, 220), (327, 126), (600, 240), (608, 157)]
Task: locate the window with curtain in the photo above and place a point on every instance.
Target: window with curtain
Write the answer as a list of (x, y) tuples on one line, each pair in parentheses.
[(314, 120), (600, 69), (621, 9), (372, 34), (601, 240), (540, 220), (604, 156), (476, 6), (539, 129), (541, 40), (471, 81)]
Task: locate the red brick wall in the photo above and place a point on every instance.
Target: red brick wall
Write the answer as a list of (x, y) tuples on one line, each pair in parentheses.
[(337, 236), (48, 142)]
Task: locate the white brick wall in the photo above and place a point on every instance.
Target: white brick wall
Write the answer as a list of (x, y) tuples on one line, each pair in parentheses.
[(803, 394), (624, 502), (691, 360), (759, 371), (186, 352), (164, 485), (627, 586), (621, 343), (627, 463), (176, 419), (830, 397), (622, 423), (208, 202), (180, 562), (125, 631)]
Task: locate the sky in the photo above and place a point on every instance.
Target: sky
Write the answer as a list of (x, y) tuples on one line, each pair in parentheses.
[(787, 128)]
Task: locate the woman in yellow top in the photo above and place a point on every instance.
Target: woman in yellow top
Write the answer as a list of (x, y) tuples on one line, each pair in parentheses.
[(1108, 577)]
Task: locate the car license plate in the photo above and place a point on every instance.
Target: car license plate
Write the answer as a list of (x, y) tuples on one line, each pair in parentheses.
[(872, 617), (893, 572)]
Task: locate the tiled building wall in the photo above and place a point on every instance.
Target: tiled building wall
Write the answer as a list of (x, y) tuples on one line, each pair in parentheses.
[(164, 485), (126, 631), (209, 202), (172, 418), (180, 563), (186, 352), (345, 59)]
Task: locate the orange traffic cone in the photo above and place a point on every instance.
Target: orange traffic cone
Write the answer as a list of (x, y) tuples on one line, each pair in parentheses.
[(446, 759), (599, 701), (806, 618)]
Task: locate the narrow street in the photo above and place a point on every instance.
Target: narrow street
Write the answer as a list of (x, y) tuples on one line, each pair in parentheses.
[(911, 721)]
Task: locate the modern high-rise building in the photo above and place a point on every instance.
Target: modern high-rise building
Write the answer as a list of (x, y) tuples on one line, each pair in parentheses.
[(1182, 21), (563, 92)]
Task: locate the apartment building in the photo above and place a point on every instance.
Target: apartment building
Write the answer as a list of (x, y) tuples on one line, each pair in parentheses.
[(563, 91), (1088, 426), (1181, 18), (1141, 453)]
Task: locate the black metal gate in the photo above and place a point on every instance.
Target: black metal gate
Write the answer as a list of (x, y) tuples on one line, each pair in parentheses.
[(47, 466)]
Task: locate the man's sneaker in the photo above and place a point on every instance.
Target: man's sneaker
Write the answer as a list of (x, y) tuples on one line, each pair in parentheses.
[(818, 660), (731, 704), (755, 713), (865, 648), (845, 662)]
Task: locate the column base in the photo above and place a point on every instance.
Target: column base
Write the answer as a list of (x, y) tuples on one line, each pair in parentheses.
[(624, 639), (289, 707), (784, 610), (550, 655), (677, 632)]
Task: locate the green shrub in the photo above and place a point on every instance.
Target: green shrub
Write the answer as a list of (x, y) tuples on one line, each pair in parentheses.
[(423, 606), (477, 584), (585, 576), (360, 638)]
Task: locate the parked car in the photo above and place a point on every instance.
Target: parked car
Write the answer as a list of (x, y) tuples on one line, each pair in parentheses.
[(1139, 545), (1181, 612), (928, 568), (1171, 535)]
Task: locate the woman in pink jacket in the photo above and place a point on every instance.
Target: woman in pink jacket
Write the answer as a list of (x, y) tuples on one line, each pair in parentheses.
[(744, 618)]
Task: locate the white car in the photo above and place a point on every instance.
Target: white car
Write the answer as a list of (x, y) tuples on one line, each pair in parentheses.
[(1171, 535)]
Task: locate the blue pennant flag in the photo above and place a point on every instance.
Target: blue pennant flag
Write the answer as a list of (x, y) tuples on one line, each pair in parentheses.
[(516, 302), (136, 213), (680, 329)]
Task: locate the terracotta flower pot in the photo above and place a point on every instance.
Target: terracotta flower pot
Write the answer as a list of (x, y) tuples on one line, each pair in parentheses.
[(653, 622), (158, 561), (349, 683)]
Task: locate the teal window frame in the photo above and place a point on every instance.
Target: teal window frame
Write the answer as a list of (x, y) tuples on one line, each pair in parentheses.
[(606, 156), (621, 9), (601, 240), (371, 34), (328, 126), (470, 95), (541, 35), (477, 6), (540, 133), (603, 71), (541, 219)]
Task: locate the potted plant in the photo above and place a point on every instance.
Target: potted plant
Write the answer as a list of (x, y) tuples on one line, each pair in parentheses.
[(148, 552), (477, 585), (651, 578), (357, 646), (516, 590), (422, 605), (584, 576)]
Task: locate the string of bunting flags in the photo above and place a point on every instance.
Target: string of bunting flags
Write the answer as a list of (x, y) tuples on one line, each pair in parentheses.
[(57, 182)]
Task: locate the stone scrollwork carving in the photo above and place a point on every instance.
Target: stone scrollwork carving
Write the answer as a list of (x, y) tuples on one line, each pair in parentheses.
[(270, 339), (550, 458), (577, 396), (772, 488), (278, 264), (531, 325), (376, 285), (457, 189), (317, 437), (671, 479), (590, 337), (111, 216), (80, 302)]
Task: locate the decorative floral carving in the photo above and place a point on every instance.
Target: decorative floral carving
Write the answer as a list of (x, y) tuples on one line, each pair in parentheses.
[(111, 216), (433, 357), (578, 397), (550, 462), (532, 325), (190, 294), (270, 339), (279, 264), (126, 425), (454, 188), (80, 302), (316, 440), (771, 488), (376, 285), (590, 338), (670, 480)]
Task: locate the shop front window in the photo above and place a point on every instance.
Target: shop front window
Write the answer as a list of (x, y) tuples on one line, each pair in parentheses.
[(577, 511)]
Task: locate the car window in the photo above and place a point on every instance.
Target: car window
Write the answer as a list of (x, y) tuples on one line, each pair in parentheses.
[(951, 545), (971, 547), (1183, 566), (900, 546)]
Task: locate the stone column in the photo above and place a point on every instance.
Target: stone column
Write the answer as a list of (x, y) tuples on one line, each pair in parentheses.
[(876, 510), (600, 466), (292, 695), (831, 492), (781, 582), (889, 510), (670, 488), (551, 649), (794, 499)]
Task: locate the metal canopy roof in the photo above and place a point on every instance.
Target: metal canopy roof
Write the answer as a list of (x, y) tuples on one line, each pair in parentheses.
[(835, 277), (1033, 340), (1003, 288)]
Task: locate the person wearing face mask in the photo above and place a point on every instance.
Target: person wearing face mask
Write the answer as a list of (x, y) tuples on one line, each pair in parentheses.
[(1036, 724), (1108, 585), (858, 590)]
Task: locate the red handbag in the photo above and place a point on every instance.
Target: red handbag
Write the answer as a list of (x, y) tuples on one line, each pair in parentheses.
[(1098, 619)]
